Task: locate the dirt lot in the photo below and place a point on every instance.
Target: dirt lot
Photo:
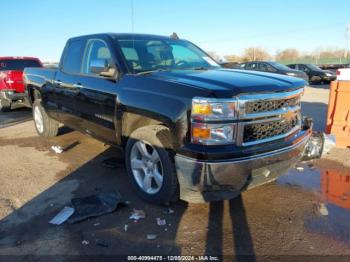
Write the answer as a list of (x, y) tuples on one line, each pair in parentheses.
[(305, 212)]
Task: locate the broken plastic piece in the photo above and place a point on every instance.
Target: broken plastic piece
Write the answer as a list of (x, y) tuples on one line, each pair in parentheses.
[(62, 216), (323, 209), (161, 222), (85, 242), (96, 205), (137, 214), (300, 168), (57, 149), (126, 227), (151, 236)]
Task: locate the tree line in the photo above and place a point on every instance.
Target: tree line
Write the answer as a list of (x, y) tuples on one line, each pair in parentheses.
[(287, 55)]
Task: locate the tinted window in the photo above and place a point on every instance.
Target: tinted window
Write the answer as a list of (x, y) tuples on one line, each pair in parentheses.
[(18, 64), (73, 57), (96, 50), (251, 66), (292, 66)]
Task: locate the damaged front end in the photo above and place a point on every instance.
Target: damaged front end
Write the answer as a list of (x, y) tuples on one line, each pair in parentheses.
[(202, 181)]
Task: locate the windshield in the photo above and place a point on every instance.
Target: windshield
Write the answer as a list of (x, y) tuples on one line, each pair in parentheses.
[(150, 55), (279, 66), (17, 65), (313, 67)]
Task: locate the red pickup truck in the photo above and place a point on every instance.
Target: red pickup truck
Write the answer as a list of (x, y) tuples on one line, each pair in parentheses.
[(11, 79)]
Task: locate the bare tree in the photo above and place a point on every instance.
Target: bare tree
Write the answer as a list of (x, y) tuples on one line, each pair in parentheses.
[(255, 53), (232, 58), (290, 54)]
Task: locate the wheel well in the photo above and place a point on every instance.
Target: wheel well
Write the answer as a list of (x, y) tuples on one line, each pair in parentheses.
[(33, 94)]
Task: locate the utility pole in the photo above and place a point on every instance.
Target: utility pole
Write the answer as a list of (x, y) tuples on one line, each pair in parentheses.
[(347, 40)]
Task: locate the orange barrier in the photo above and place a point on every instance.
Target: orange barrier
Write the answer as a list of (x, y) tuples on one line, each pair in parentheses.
[(338, 116), (336, 187)]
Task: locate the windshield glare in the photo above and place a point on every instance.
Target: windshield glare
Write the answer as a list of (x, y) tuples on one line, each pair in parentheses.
[(280, 66), (151, 55), (313, 67)]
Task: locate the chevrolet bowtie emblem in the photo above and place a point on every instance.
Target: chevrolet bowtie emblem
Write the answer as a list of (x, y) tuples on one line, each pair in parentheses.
[(288, 116)]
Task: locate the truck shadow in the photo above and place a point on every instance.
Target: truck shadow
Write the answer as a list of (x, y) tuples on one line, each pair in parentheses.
[(26, 231)]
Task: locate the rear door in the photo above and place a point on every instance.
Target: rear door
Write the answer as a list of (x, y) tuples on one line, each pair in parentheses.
[(96, 100), (65, 84)]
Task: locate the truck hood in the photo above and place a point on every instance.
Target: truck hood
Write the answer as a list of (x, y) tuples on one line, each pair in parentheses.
[(229, 80)]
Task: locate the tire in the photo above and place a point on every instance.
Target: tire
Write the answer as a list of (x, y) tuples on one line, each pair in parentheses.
[(44, 125), (155, 140), (5, 105)]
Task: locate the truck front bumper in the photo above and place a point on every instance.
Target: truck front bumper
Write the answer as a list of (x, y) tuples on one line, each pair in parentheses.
[(202, 181)]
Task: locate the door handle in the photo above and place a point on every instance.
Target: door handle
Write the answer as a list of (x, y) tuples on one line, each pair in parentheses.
[(58, 82), (78, 85)]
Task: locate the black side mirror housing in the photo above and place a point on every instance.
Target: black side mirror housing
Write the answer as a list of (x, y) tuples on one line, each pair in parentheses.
[(101, 67)]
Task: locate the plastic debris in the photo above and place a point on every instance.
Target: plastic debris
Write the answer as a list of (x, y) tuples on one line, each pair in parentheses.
[(151, 236), (323, 209), (96, 205), (126, 227), (85, 242), (97, 224), (137, 214), (62, 216), (300, 168), (57, 149), (161, 222)]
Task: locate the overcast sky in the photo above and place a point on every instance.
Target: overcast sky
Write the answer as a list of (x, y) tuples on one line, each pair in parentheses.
[(40, 28)]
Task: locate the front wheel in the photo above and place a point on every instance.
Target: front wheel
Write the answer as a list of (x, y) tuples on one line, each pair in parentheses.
[(44, 125), (150, 165)]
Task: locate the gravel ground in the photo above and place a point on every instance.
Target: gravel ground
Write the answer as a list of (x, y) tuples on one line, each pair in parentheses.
[(296, 215)]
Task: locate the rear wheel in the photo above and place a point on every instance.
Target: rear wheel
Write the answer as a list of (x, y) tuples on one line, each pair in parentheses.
[(44, 125), (5, 105), (150, 165)]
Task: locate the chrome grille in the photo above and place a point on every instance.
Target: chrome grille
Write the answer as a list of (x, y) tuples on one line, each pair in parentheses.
[(260, 131), (267, 117), (270, 105)]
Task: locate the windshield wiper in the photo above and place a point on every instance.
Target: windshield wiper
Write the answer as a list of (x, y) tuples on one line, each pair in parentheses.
[(151, 71)]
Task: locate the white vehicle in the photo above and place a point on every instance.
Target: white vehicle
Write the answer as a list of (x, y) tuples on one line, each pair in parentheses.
[(343, 74)]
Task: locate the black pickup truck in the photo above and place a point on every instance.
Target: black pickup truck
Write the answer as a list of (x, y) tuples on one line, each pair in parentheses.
[(189, 128)]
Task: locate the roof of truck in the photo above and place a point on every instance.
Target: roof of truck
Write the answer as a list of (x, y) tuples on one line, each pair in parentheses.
[(18, 58), (133, 36)]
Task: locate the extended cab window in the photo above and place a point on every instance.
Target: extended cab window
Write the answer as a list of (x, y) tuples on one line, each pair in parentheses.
[(96, 50), (73, 57)]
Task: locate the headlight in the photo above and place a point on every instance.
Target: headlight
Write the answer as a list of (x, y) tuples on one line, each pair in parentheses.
[(328, 74), (211, 109), (213, 134)]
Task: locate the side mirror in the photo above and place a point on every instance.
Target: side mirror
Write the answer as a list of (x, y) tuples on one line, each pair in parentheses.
[(101, 67)]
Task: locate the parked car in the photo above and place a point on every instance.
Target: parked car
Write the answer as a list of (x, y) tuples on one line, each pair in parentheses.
[(11, 79), (315, 74), (233, 65), (188, 127), (273, 67), (343, 74)]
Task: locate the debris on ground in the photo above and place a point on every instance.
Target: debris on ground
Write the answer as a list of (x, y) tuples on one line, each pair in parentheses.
[(112, 162), (85, 242), (137, 214), (323, 209), (62, 216), (168, 211), (300, 168), (57, 149), (161, 222), (126, 227), (151, 236), (95, 205), (97, 224)]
